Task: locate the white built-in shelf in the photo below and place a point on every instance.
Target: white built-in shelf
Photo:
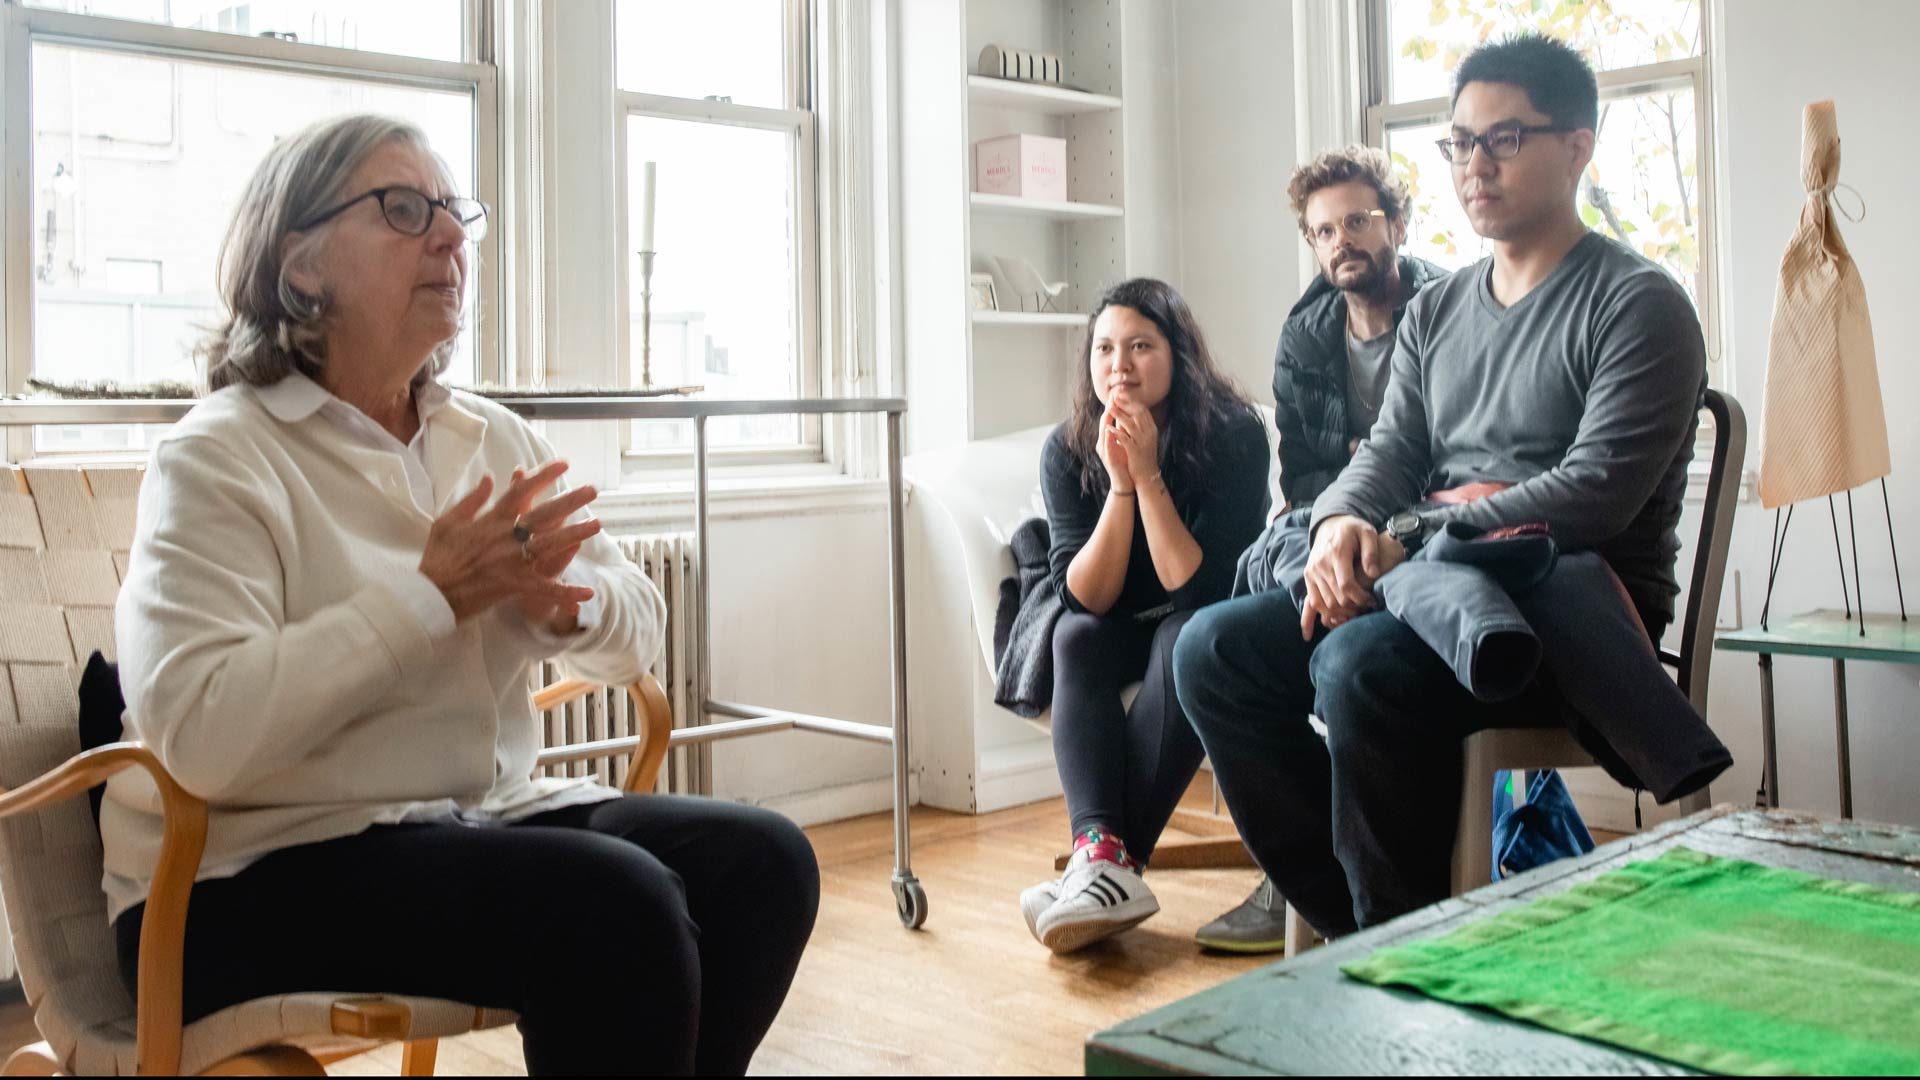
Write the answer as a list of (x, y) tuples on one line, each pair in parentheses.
[(1014, 206), (1028, 318), (1036, 97)]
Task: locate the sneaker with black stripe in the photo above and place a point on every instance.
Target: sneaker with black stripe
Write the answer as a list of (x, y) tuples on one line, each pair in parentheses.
[(1034, 902), (1098, 899)]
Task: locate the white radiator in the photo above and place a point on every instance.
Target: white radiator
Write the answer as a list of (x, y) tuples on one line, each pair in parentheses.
[(668, 560)]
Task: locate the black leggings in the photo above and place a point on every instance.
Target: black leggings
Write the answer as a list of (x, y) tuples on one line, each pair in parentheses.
[(645, 934), (1123, 769)]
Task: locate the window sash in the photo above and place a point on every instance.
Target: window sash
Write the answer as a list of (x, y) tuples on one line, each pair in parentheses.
[(799, 122), (21, 28)]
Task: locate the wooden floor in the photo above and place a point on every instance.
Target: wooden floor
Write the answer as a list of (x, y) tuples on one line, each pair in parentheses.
[(972, 992)]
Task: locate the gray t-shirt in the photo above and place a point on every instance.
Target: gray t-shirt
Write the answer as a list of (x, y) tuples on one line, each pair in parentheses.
[(1368, 365), (1584, 396)]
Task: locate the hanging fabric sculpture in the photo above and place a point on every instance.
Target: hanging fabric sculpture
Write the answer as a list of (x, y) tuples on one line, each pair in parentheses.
[(1825, 428)]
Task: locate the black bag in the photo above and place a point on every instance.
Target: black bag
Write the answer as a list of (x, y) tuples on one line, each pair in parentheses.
[(101, 707)]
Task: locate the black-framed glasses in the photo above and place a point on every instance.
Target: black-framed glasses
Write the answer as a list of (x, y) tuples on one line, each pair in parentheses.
[(411, 212), (1356, 225), (1500, 143)]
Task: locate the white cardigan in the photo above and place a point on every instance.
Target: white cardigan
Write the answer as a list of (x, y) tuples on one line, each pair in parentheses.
[(275, 655)]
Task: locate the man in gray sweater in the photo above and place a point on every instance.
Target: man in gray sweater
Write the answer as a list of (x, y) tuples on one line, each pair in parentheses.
[(1557, 382)]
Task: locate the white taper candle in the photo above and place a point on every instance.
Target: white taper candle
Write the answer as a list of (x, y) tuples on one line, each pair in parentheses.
[(646, 207)]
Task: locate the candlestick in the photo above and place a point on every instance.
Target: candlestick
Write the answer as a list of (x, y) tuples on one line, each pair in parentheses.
[(646, 319), (648, 179)]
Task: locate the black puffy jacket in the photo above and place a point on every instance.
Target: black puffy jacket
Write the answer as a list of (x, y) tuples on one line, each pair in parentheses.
[(1310, 382)]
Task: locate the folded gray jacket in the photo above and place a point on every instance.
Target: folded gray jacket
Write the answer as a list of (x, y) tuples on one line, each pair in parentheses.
[(1500, 611), (1023, 624)]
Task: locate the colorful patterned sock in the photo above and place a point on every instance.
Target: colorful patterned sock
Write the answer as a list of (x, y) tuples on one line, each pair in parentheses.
[(1105, 848)]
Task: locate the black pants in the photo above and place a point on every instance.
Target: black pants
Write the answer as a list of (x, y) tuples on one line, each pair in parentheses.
[(646, 934), (1358, 828), (1123, 769)]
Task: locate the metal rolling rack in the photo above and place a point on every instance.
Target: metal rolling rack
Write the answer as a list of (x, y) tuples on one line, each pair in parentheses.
[(737, 720)]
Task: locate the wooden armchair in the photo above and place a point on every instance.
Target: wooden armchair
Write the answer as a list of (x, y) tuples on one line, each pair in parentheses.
[(58, 578)]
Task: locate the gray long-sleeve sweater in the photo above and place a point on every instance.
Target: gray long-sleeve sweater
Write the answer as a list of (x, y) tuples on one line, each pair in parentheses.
[(1584, 396)]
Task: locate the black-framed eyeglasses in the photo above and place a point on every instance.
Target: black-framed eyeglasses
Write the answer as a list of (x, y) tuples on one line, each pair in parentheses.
[(1356, 225), (411, 212), (1500, 143)]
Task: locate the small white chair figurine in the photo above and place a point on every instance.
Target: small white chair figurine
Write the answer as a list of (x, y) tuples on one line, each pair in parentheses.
[(1025, 280)]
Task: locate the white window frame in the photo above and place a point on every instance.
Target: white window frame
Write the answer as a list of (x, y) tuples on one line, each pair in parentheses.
[(797, 118), (21, 27), (1691, 73)]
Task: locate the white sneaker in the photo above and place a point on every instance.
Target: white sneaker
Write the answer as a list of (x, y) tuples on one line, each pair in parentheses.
[(1036, 899), (1097, 900)]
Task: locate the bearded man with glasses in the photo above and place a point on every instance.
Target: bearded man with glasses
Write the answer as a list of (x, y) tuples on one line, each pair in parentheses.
[(1330, 371), (1553, 387)]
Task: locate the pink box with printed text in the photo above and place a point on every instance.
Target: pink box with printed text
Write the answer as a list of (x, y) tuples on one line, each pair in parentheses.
[(1024, 166)]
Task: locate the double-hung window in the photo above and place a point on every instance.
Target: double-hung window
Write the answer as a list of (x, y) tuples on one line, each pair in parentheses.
[(716, 159), (131, 127)]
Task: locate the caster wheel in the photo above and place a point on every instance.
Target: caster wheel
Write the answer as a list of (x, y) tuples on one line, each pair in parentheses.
[(911, 900)]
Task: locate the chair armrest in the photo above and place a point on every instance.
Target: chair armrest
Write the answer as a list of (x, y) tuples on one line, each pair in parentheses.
[(656, 725), (372, 1018), (649, 746), (163, 930)]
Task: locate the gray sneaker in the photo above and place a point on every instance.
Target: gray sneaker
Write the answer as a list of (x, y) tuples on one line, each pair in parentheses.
[(1258, 925)]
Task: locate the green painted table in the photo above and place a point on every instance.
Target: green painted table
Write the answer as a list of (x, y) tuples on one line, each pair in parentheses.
[(1830, 635), (1303, 1017)]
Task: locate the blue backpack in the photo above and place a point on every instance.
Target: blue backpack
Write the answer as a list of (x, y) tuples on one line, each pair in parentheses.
[(1544, 828)]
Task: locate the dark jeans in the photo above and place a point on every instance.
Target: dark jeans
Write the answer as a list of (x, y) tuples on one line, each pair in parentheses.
[(1122, 769), (646, 934), (1358, 828)]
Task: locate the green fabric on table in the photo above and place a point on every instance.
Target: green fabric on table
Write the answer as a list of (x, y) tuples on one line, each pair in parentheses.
[(1713, 963)]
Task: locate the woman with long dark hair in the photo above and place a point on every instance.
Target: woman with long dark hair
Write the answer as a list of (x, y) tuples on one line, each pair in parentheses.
[(1154, 486)]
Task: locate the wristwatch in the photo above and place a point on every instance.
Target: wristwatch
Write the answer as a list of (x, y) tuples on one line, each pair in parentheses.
[(1408, 528)]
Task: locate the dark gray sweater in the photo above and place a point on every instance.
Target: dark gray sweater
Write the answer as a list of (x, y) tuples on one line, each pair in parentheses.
[(1584, 396)]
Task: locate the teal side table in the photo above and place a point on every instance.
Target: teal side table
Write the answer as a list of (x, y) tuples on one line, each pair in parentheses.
[(1833, 636)]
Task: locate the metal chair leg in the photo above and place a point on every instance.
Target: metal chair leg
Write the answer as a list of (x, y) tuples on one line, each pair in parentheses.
[(1300, 934)]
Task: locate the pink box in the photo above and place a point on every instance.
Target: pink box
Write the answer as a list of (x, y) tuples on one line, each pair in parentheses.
[(1025, 166)]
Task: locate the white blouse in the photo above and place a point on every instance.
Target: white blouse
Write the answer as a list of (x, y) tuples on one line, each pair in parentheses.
[(284, 657)]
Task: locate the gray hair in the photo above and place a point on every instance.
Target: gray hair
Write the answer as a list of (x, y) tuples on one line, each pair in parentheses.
[(272, 329)]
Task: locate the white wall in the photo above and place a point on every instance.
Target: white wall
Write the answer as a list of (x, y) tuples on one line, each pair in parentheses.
[(1150, 82), (1858, 53), (1234, 135)]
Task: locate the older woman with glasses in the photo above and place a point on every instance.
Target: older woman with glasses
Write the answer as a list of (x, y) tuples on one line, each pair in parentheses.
[(343, 575)]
